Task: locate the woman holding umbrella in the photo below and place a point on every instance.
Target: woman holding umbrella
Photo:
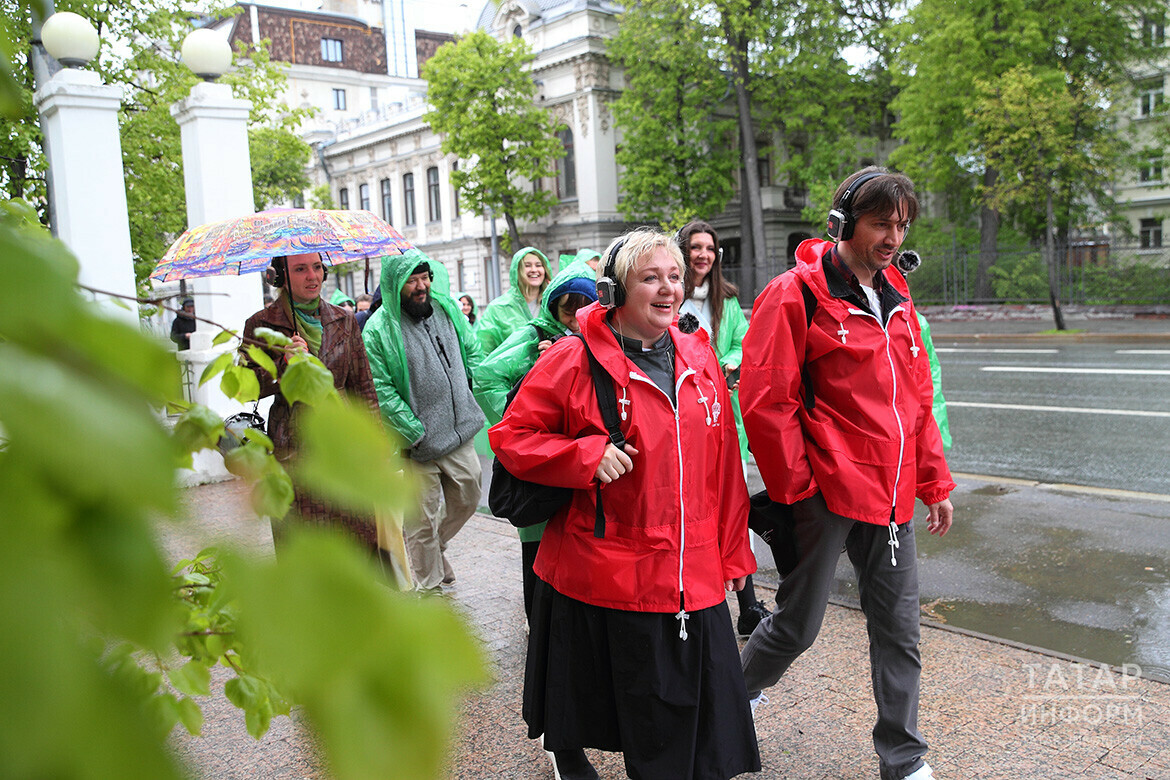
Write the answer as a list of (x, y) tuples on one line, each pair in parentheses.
[(332, 335)]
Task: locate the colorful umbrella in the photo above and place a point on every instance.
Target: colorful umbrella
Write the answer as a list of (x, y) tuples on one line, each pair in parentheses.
[(246, 244)]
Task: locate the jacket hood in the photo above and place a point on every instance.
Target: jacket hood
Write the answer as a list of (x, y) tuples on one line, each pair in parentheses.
[(396, 269), (577, 277), (340, 297), (514, 271)]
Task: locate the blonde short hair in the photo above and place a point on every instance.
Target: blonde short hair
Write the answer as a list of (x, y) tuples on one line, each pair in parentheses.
[(635, 245)]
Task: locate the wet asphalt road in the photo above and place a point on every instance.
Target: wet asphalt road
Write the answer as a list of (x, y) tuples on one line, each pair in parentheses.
[(1057, 542), (1095, 414)]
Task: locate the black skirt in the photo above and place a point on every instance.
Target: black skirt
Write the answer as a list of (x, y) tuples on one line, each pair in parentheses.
[(625, 681)]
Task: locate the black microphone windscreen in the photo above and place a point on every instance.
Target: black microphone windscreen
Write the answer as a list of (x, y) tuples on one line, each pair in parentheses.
[(688, 323)]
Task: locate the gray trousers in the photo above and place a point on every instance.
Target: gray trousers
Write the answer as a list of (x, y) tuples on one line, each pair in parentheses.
[(889, 599), (448, 494)]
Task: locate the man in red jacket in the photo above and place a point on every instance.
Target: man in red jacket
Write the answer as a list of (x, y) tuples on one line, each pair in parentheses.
[(836, 395)]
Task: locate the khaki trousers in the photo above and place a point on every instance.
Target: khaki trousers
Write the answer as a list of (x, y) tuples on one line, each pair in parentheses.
[(449, 491)]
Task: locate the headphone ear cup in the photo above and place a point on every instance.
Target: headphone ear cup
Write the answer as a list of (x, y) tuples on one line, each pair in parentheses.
[(838, 227)]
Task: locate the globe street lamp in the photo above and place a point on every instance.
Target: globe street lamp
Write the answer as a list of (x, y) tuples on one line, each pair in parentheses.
[(207, 53), (70, 39)]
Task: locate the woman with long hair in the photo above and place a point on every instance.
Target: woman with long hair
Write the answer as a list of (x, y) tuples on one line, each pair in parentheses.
[(331, 334), (712, 298), (528, 275)]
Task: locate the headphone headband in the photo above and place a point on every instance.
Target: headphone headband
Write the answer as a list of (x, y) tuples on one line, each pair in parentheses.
[(847, 198), (841, 219)]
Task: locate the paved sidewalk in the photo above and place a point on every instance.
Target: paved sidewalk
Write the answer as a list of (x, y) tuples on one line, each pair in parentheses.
[(988, 709)]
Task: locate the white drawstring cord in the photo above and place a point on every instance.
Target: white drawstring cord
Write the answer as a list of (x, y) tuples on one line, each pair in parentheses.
[(682, 620), (703, 400), (894, 543), (624, 401)]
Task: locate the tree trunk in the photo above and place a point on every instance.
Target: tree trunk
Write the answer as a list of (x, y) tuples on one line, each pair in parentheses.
[(988, 241), (1050, 261), (750, 201)]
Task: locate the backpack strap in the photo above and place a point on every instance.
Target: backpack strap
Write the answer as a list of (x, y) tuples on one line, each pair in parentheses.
[(607, 402)]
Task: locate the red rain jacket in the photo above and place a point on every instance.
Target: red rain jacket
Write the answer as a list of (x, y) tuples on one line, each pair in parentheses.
[(676, 525), (869, 443)]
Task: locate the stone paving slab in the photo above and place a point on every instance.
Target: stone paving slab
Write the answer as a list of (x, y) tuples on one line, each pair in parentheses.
[(989, 710)]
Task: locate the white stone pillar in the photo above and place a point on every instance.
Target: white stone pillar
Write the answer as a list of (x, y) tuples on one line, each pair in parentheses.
[(217, 173), (79, 118)]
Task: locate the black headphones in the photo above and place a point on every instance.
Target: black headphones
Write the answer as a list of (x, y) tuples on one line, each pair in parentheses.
[(276, 274), (841, 220), (610, 292)]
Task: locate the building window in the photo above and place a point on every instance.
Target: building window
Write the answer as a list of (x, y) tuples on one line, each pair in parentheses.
[(1150, 97), (299, 200), (364, 197), (454, 189), (1150, 231), (1153, 31), (566, 167), (339, 99), (386, 202), (408, 198), (517, 32), (763, 164), (343, 197), (434, 206), (373, 98), (331, 50), (1151, 169)]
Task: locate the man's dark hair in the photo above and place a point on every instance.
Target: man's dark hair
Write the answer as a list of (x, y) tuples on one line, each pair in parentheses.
[(883, 195)]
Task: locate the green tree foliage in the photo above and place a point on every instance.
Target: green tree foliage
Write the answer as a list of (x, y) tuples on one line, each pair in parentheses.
[(145, 62), (678, 157), (102, 641), (482, 104), (827, 114), (950, 46), (279, 159)]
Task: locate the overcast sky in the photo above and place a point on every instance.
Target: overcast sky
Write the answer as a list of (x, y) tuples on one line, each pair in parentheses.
[(451, 16)]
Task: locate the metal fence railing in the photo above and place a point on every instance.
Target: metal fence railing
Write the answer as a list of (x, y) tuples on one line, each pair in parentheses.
[(1088, 273)]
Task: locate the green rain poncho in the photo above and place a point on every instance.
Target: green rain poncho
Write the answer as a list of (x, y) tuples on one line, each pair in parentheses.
[(383, 339), (510, 311), (503, 368), (339, 298)]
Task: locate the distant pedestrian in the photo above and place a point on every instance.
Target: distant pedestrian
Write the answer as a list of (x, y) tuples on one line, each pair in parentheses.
[(528, 276), (711, 298), (341, 300), (184, 325), (570, 290), (467, 303), (837, 396), (631, 646), (422, 354), (363, 302)]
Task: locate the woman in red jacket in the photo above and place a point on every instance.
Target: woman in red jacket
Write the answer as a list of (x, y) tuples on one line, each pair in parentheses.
[(631, 647)]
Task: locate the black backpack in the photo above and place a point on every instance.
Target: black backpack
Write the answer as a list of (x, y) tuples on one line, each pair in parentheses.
[(525, 503)]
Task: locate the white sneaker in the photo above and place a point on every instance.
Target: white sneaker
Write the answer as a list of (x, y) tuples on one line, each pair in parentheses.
[(762, 699), (924, 772)]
